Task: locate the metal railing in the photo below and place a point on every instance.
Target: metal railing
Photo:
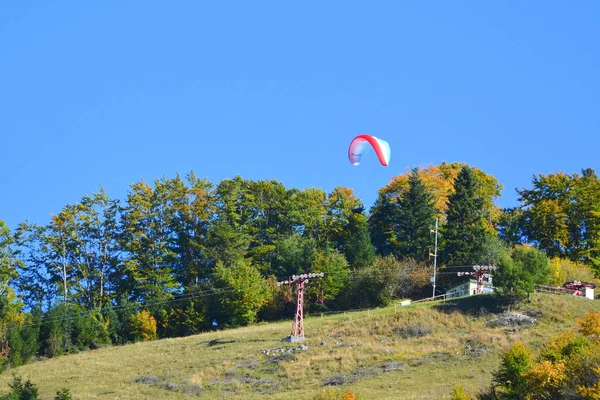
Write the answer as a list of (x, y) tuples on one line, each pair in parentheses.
[(434, 298), (554, 290)]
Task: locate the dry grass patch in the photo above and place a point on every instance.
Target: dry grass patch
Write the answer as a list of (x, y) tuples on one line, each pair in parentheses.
[(209, 373)]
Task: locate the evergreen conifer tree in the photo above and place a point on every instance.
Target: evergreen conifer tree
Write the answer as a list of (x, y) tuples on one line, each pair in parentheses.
[(464, 235), (356, 245), (383, 224), (416, 216)]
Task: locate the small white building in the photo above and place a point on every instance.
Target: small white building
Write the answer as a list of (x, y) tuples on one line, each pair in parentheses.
[(589, 293), (468, 288)]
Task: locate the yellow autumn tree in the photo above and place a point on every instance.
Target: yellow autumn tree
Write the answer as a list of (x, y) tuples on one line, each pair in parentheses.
[(590, 392), (567, 364), (439, 180), (589, 325), (143, 326), (545, 379), (564, 270), (403, 205)]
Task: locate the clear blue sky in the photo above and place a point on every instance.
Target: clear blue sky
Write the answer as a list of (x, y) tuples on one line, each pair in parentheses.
[(112, 92)]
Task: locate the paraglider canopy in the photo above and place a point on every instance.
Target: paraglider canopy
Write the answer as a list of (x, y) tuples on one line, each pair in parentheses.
[(361, 142)]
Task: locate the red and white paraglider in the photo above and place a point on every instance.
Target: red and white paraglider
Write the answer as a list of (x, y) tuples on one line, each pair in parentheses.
[(360, 143)]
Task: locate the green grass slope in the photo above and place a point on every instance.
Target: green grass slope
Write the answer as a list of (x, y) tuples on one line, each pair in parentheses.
[(416, 352)]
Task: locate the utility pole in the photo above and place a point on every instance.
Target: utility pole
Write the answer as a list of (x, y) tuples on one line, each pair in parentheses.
[(434, 257), (297, 333)]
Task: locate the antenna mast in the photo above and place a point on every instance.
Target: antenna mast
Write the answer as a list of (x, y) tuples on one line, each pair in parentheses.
[(434, 257)]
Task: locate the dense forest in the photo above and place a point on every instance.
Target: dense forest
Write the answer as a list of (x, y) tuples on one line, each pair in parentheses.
[(185, 255)]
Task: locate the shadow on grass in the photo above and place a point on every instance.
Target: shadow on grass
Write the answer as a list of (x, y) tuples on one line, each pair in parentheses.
[(476, 305), (215, 342)]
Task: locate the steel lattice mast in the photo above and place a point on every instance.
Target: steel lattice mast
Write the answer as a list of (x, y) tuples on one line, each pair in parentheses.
[(297, 333)]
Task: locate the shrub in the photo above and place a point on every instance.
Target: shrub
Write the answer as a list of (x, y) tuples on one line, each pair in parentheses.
[(592, 392), (545, 379), (111, 318), (563, 346), (94, 331), (21, 391), (60, 329), (182, 319), (517, 360), (63, 394), (349, 396), (336, 394), (567, 368), (126, 311), (385, 281), (590, 324), (459, 393), (583, 368)]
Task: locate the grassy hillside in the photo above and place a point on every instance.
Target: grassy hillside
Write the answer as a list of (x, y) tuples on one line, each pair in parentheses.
[(416, 352)]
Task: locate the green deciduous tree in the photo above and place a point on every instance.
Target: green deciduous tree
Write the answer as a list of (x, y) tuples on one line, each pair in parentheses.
[(347, 228), (341, 203), (561, 213), (335, 268), (230, 233), (519, 271), (35, 282), (93, 330), (387, 279), (61, 246), (191, 210), (509, 377), (309, 213), (270, 205), (75, 256), (240, 292), (9, 261), (95, 249), (148, 243), (510, 226), (294, 255)]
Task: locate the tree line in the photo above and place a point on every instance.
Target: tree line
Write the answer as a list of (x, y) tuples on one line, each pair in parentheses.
[(184, 255)]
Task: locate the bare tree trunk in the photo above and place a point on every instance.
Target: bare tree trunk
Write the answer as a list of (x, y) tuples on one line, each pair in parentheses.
[(64, 276)]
